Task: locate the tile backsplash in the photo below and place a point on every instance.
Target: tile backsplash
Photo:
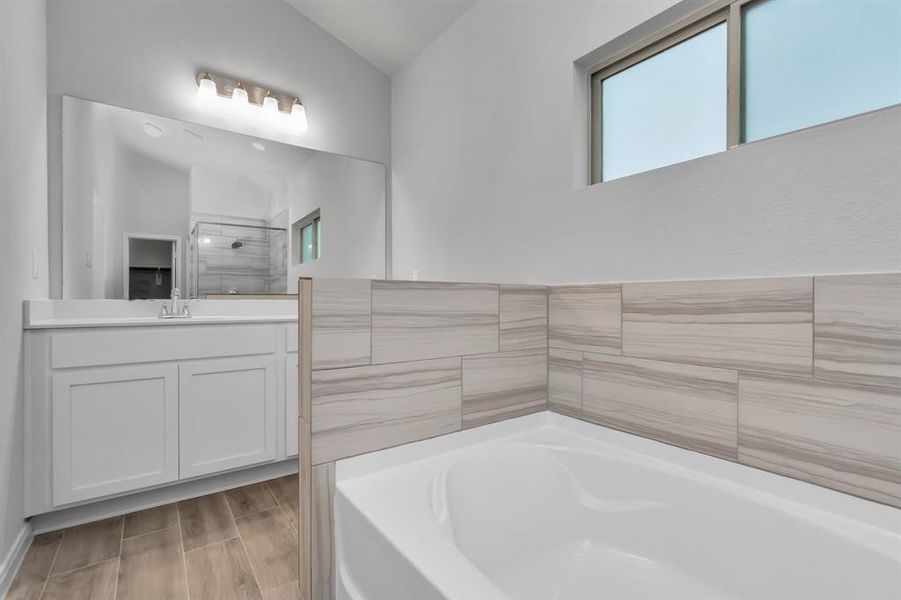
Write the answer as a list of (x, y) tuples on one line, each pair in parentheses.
[(798, 375), (400, 361)]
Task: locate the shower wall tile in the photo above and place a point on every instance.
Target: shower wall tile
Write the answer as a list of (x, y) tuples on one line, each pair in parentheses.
[(585, 317), (413, 320), (746, 324), (245, 284), (341, 323), (503, 385), (840, 435), (361, 409), (857, 330), (685, 405), (523, 317), (564, 381)]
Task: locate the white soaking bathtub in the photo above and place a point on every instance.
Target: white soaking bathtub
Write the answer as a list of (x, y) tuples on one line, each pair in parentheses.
[(545, 507)]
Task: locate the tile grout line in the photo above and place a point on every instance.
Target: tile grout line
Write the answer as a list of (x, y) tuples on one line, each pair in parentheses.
[(52, 563), (119, 558), (184, 556), (91, 564), (284, 510), (243, 545)]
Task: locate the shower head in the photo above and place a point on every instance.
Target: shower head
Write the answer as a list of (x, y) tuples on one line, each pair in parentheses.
[(237, 244)]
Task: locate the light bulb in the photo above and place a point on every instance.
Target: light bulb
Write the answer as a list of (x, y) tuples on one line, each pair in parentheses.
[(270, 105), (239, 97), (206, 91), (298, 116)]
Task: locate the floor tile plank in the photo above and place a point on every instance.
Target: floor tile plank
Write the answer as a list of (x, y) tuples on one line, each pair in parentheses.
[(287, 591), (272, 547), (152, 567), (152, 519), (205, 520), (89, 543), (287, 491), (250, 499), (221, 572), (95, 582), (29, 581)]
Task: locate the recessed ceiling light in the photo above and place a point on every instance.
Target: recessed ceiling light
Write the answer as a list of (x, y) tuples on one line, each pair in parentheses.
[(153, 130), (258, 146), (192, 133)]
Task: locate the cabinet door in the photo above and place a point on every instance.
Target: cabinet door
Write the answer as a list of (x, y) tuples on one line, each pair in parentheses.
[(228, 414), (291, 365), (115, 429)]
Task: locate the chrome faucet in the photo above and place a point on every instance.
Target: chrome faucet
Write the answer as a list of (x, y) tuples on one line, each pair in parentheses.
[(176, 309)]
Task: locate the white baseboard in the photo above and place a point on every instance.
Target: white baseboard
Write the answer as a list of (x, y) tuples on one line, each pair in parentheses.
[(68, 517), (13, 559)]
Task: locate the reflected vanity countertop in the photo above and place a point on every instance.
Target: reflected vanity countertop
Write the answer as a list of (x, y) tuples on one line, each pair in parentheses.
[(61, 314)]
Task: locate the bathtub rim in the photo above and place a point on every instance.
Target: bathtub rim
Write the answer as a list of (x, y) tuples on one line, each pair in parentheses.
[(768, 487)]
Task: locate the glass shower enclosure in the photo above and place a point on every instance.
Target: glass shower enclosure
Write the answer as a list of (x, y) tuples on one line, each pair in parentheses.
[(236, 259)]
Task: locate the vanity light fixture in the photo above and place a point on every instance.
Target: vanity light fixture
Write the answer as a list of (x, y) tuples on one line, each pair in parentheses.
[(279, 109), (207, 91), (270, 104), (153, 130), (299, 115), (239, 95)]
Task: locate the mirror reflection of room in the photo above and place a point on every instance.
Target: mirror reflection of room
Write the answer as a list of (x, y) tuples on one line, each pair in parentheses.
[(151, 204)]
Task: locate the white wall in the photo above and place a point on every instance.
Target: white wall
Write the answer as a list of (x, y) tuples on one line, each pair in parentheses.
[(488, 143), (151, 197), (351, 197), (23, 232), (225, 195), (145, 55)]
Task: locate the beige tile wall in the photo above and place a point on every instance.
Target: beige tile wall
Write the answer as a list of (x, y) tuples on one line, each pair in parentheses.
[(395, 362), (799, 375)]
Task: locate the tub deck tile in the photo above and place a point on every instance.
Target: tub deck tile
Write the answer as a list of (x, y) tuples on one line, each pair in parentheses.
[(745, 324), (585, 317), (416, 320), (689, 406), (857, 333), (503, 385), (361, 409), (843, 436), (564, 382)]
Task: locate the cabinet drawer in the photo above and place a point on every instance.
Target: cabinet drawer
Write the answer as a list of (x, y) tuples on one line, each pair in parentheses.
[(114, 430), (129, 345), (228, 414)]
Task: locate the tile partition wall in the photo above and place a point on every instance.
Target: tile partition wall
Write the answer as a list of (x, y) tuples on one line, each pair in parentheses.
[(800, 375), (399, 361)]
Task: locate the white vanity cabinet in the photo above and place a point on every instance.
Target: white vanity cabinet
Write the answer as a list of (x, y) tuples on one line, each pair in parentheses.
[(114, 430), (228, 414), (113, 410)]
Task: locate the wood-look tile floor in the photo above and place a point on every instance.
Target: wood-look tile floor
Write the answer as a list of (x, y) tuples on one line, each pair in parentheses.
[(239, 544)]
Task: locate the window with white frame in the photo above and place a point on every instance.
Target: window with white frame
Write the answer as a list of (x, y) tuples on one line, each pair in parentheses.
[(739, 71)]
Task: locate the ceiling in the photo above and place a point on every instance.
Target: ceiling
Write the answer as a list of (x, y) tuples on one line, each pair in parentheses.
[(184, 145), (387, 33)]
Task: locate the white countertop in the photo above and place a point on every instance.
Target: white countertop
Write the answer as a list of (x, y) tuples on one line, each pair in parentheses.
[(62, 314)]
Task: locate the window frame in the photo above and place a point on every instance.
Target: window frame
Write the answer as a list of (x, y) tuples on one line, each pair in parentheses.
[(711, 15), (312, 219)]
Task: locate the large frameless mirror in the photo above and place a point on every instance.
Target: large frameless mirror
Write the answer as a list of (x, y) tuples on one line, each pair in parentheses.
[(152, 203)]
